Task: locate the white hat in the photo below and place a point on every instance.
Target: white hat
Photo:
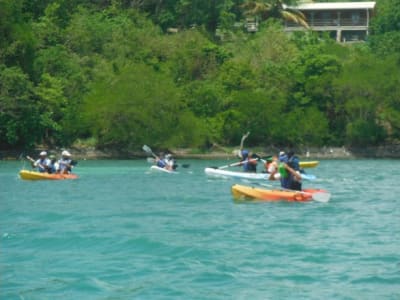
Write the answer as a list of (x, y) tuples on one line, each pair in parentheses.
[(281, 153), (43, 153), (65, 153)]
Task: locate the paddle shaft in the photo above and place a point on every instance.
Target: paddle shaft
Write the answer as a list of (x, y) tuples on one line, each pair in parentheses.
[(34, 162), (235, 164)]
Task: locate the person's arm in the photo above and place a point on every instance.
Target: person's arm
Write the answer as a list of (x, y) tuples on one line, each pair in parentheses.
[(33, 163), (293, 172)]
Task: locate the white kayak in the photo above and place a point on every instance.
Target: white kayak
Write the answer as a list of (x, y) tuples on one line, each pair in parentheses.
[(248, 175), (158, 169)]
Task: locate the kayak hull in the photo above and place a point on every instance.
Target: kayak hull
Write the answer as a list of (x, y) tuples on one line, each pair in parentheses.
[(158, 169), (235, 174), (248, 193), (309, 164), (32, 175), (248, 175)]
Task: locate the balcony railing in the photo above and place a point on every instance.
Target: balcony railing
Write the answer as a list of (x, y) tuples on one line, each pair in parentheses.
[(339, 22)]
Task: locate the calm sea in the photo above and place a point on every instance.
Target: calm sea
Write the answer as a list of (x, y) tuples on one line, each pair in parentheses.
[(122, 232)]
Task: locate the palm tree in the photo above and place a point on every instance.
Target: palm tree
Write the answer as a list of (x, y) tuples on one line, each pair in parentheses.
[(265, 9)]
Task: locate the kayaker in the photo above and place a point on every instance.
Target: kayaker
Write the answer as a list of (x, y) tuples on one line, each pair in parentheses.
[(42, 164), (53, 166), (289, 170), (271, 167), (248, 158), (162, 162), (170, 161), (65, 163)]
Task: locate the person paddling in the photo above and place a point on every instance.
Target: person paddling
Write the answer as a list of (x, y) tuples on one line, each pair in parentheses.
[(65, 163), (289, 170), (248, 158), (271, 167), (162, 162), (42, 164)]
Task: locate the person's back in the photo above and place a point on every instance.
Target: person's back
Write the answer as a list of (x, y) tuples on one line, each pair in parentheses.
[(294, 163)]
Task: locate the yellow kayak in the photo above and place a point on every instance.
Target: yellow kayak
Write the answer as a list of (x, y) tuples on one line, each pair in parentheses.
[(32, 175), (309, 164)]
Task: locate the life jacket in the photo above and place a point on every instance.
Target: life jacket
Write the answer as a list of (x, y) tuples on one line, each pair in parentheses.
[(282, 170), (42, 164), (161, 163), (64, 164), (294, 163)]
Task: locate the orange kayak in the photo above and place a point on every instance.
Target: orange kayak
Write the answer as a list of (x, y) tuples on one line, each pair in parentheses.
[(32, 175), (241, 192)]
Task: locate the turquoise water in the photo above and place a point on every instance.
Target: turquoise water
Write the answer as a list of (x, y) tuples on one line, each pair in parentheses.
[(122, 232)]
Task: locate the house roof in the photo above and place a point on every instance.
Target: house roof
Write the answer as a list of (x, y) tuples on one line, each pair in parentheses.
[(334, 5)]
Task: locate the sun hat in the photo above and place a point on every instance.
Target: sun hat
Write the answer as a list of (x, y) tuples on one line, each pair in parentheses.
[(43, 153)]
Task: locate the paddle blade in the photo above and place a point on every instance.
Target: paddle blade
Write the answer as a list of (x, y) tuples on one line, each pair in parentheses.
[(146, 149), (151, 160), (308, 176), (321, 197)]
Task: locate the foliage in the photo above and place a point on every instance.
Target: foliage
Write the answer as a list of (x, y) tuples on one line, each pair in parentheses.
[(113, 72)]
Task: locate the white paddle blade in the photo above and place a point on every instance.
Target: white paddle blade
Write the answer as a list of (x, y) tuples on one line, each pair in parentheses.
[(321, 197), (146, 149)]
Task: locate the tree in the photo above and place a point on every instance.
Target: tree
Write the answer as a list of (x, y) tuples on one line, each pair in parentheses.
[(19, 111), (278, 9)]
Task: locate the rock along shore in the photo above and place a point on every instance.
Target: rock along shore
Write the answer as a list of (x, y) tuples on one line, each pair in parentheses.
[(89, 153)]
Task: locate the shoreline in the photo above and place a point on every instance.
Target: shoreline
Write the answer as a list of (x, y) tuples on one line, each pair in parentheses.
[(311, 153)]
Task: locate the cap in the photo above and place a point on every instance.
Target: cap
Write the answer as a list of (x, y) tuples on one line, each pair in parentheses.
[(65, 153), (281, 153), (43, 153)]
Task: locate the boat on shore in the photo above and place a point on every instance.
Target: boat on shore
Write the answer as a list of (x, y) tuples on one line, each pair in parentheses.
[(33, 175)]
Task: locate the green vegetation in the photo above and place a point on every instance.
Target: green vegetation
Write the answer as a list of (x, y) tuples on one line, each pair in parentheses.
[(112, 73)]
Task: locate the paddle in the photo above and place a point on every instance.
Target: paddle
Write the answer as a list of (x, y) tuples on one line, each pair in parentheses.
[(33, 163), (147, 149), (322, 197), (151, 160), (234, 164)]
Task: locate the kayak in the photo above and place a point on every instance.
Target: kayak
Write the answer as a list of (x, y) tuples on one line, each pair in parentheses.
[(158, 169), (236, 174), (309, 164), (241, 192), (248, 175), (32, 175)]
